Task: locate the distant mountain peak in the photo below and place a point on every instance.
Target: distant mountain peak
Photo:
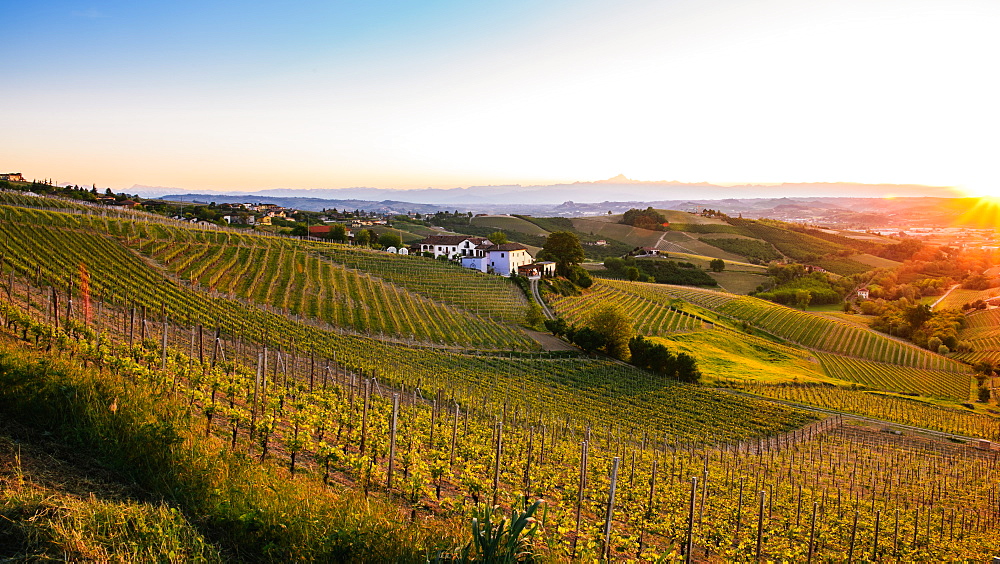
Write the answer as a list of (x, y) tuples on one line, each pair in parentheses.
[(620, 179)]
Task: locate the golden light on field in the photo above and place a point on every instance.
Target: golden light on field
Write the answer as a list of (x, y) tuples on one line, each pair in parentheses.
[(983, 213)]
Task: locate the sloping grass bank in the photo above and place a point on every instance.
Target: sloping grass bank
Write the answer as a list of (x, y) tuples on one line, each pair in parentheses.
[(203, 501)]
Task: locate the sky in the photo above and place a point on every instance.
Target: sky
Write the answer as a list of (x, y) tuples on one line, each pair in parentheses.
[(254, 95)]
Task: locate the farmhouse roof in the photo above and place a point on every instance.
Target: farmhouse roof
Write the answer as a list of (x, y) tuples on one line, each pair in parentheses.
[(451, 240), (507, 247)]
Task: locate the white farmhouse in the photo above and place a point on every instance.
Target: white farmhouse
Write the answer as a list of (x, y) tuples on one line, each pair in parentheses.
[(453, 246), (506, 258)]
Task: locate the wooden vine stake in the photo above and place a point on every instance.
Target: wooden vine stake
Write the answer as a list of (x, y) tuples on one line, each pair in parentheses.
[(454, 438), (364, 416), (812, 533), (579, 495), (392, 439), (689, 538), (496, 462), (611, 508), (760, 525)]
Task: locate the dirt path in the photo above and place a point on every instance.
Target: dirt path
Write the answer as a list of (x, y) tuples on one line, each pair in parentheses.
[(937, 301), (538, 298), (550, 342)]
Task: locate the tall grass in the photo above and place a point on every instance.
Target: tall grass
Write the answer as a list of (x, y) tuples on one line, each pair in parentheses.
[(246, 510)]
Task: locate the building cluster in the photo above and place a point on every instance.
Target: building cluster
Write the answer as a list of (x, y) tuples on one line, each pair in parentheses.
[(12, 177), (479, 253)]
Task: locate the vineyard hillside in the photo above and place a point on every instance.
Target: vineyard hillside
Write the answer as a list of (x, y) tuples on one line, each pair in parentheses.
[(849, 352), (234, 411)]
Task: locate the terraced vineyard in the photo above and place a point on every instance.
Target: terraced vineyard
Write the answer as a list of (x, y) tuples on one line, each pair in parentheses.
[(651, 318), (440, 433), (882, 406), (814, 331), (959, 297), (892, 377), (486, 295), (281, 274), (269, 271)]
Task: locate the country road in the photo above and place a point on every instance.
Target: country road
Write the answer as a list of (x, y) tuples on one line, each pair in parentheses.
[(538, 298)]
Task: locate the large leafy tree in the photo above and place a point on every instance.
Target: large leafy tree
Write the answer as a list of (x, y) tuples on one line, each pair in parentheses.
[(616, 327), (564, 248)]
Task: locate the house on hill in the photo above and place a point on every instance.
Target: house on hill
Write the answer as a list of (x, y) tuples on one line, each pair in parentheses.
[(645, 252), (12, 177), (498, 259), (862, 293), (453, 246)]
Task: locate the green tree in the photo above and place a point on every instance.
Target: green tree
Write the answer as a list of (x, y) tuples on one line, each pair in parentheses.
[(615, 326), (338, 233), (588, 339), (498, 238), (564, 248), (534, 317), (984, 394), (717, 265), (632, 273), (362, 238), (802, 298), (390, 240)]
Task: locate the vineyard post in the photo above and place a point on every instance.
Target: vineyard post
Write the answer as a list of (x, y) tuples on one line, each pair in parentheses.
[(895, 536), (527, 464), (878, 521), (812, 533), (364, 416), (611, 508), (496, 462), (69, 303), (434, 409), (454, 437), (392, 439), (142, 328), (163, 344), (704, 489), (760, 525), (579, 496), (689, 538), (649, 508), (854, 533), (55, 307), (739, 510)]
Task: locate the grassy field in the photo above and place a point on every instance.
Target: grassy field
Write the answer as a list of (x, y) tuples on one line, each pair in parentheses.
[(730, 356), (509, 223), (738, 282)]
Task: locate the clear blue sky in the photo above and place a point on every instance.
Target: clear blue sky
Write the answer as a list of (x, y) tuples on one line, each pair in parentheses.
[(211, 95)]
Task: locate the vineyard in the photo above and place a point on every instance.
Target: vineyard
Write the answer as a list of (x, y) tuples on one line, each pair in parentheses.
[(651, 317), (269, 271), (892, 377), (813, 331), (821, 490), (881, 406), (629, 465), (280, 273)]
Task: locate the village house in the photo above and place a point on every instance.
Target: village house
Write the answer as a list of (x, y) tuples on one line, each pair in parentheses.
[(12, 177), (498, 259), (538, 269), (454, 246), (862, 293)]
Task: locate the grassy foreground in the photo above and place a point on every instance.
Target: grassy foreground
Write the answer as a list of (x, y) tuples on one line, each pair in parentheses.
[(169, 492)]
